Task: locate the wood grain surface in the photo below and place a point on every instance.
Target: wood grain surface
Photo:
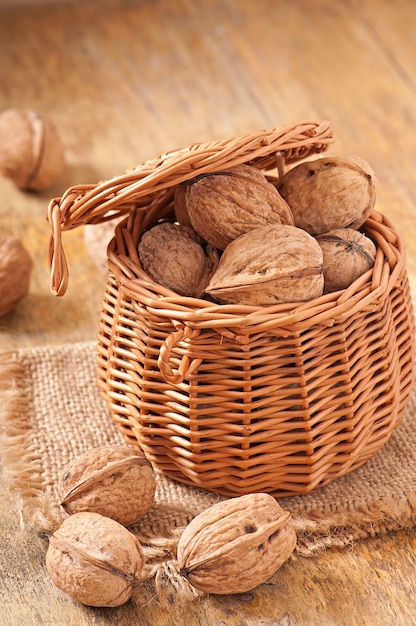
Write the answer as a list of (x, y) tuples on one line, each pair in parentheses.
[(125, 81)]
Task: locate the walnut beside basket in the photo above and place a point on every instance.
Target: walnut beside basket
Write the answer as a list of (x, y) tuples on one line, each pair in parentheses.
[(239, 399)]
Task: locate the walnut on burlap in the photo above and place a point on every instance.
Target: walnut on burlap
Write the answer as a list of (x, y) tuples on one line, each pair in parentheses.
[(51, 410)]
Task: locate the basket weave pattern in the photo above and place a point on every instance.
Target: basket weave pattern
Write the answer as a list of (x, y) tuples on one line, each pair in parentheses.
[(237, 399)]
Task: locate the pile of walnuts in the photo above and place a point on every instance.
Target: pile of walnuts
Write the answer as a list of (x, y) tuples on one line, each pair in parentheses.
[(241, 237), (231, 547)]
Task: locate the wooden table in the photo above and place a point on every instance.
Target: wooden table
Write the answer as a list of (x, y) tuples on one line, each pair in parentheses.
[(125, 81)]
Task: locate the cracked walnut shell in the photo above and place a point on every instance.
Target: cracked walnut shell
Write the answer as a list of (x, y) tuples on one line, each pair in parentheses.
[(236, 544), (347, 255), (329, 192), (95, 560), (223, 205), (269, 265), (114, 480)]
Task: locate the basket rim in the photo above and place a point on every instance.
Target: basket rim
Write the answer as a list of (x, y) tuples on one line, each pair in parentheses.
[(197, 313)]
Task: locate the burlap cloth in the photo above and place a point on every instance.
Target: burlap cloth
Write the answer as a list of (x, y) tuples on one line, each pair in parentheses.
[(51, 410)]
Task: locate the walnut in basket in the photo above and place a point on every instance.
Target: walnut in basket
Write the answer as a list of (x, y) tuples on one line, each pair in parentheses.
[(347, 254), (269, 265), (223, 205), (329, 192), (175, 256)]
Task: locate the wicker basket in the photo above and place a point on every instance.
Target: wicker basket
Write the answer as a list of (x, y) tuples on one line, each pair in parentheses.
[(238, 399)]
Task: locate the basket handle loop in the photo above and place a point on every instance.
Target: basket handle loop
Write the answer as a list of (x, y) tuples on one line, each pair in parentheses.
[(57, 260), (187, 365)]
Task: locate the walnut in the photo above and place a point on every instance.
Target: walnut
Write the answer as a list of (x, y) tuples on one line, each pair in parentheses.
[(236, 544), (95, 560), (15, 272), (115, 480), (31, 151), (347, 254), (329, 192), (221, 206), (174, 256), (268, 265)]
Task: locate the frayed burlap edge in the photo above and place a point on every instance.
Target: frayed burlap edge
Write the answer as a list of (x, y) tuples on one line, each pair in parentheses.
[(321, 531), (21, 460), (317, 529)]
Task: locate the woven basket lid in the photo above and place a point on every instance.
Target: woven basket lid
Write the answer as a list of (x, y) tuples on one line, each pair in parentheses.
[(134, 190)]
